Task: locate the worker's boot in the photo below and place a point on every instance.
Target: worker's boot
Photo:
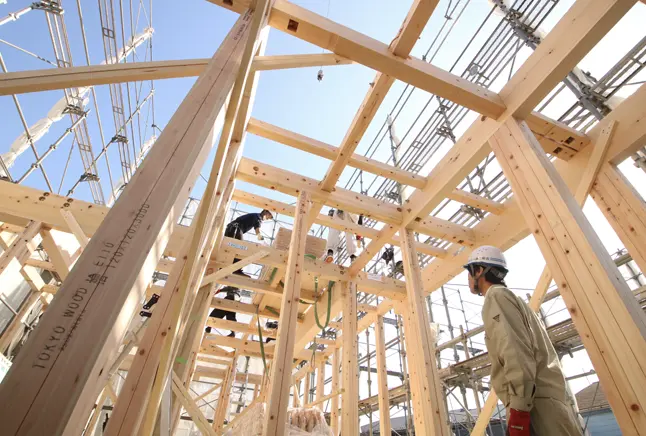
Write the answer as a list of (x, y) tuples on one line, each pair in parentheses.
[(207, 329), (352, 258), (232, 334), (329, 257)]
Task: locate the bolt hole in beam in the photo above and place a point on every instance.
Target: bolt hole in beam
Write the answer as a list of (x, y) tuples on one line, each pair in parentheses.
[(292, 26)]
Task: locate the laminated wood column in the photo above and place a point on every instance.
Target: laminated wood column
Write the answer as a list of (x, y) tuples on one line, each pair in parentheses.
[(624, 209), (278, 398), (306, 388), (605, 312), (432, 414), (382, 378), (57, 393), (334, 403), (350, 371), (595, 162)]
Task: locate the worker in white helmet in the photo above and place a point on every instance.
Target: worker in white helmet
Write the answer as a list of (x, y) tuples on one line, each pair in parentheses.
[(525, 369)]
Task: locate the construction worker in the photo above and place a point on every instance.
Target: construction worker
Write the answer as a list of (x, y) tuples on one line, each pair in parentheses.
[(244, 223), (230, 294), (525, 369), (334, 236)]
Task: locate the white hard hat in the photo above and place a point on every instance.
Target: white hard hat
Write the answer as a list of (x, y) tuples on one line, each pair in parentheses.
[(489, 256)]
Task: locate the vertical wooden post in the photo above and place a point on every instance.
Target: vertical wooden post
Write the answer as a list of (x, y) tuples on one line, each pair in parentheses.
[(276, 416), (382, 378), (350, 399), (611, 323), (435, 419), (334, 403), (587, 181), (320, 380), (225, 394), (111, 276), (59, 258)]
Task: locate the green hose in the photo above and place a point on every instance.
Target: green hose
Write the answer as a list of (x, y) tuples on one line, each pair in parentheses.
[(329, 304)]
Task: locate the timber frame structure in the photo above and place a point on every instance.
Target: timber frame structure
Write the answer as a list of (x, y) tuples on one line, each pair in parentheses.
[(89, 329)]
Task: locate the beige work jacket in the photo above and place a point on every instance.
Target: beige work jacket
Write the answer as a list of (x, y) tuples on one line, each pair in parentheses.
[(524, 364)]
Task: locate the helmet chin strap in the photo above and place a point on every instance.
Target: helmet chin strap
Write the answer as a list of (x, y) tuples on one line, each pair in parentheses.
[(476, 287)]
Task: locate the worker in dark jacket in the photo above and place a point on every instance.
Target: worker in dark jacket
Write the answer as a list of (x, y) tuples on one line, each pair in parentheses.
[(230, 294), (244, 223)]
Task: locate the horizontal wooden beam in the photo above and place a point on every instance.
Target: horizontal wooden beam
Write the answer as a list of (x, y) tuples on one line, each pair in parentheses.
[(330, 152), (282, 62), (326, 220), (315, 29), (72, 77), (377, 285), (225, 324)]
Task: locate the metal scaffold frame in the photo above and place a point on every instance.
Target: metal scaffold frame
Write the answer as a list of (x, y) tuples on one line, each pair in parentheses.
[(513, 172)]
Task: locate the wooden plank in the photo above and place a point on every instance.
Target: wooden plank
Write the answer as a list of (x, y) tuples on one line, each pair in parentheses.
[(368, 232), (306, 388), (277, 400), (320, 380), (239, 327), (61, 260), (587, 180), (330, 152), (147, 378), (75, 228), (230, 269), (606, 314), (624, 209), (225, 395), (434, 415), (392, 61), (334, 404), (186, 356), (382, 378), (547, 65), (57, 393), (73, 77), (281, 62), (350, 372)]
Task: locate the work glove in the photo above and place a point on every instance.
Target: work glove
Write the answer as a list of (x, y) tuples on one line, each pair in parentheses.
[(518, 423)]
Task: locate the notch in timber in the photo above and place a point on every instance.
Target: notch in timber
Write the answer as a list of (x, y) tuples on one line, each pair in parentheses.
[(292, 26)]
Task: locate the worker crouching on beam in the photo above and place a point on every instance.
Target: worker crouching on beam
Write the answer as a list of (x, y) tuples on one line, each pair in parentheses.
[(241, 225), (525, 369)]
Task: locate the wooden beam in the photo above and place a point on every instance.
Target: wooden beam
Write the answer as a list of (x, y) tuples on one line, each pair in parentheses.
[(277, 400), (282, 62), (239, 327), (188, 348), (230, 269), (61, 260), (606, 314), (392, 61), (236, 306), (588, 179), (330, 152), (334, 404), (75, 228), (57, 393), (326, 220), (320, 380), (624, 209), (225, 394), (434, 415), (74, 77), (182, 395), (382, 378), (350, 398), (546, 66)]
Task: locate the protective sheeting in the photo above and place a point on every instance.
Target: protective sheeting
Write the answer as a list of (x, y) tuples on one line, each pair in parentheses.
[(79, 98)]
